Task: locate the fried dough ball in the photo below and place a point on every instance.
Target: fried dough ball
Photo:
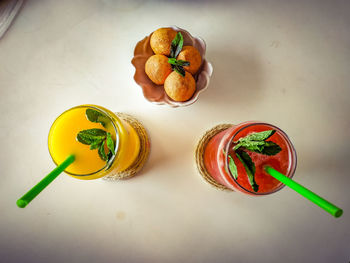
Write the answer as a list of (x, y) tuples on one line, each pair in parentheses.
[(192, 55), (180, 88), (161, 40), (157, 68)]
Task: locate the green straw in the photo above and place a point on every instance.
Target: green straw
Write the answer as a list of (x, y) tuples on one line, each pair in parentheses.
[(32, 193), (329, 207)]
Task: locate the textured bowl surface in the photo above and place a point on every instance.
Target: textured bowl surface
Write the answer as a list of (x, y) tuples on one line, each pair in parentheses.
[(155, 93)]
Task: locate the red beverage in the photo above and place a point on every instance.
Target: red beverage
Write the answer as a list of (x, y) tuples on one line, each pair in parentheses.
[(218, 149)]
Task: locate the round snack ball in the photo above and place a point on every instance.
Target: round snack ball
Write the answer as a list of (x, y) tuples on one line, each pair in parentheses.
[(192, 55), (157, 68), (180, 88), (161, 40)]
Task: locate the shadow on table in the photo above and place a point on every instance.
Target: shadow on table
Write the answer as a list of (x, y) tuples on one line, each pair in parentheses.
[(163, 150), (236, 81)]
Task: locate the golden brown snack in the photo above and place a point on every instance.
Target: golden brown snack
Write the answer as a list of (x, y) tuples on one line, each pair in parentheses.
[(192, 55), (157, 68), (180, 88), (161, 40)]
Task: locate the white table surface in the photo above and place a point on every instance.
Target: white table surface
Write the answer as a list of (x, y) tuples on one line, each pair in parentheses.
[(283, 62)]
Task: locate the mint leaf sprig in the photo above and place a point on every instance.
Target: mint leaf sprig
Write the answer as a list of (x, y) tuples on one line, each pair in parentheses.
[(95, 116), (176, 45), (175, 49), (178, 65), (249, 167), (175, 62), (254, 142), (98, 138)]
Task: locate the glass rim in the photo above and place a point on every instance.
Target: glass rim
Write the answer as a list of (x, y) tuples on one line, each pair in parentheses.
[(110, 162), (292, 166)]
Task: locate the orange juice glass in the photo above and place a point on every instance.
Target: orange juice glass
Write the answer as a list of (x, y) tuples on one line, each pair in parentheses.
[(62, 141)]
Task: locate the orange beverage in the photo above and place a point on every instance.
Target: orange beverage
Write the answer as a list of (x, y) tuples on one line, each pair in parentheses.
[(105, 144)]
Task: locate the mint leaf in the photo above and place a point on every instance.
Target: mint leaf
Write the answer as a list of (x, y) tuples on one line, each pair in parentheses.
[(95, 116), (92, 115), (110, 143), (232, 166), (249, 166), (267, 148), (179, 46), (255, 146), (177, 65), (176, 45), (101, 151), (271, 148), (180, 62), (109, 156), (179, 70), (258, 136), (90, 136), (172, 61), (97, 139), (237, 146), (256, 142), (96, 144)]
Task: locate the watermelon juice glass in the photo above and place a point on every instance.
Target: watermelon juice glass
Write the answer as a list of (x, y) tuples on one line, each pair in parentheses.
[(216, 159)]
